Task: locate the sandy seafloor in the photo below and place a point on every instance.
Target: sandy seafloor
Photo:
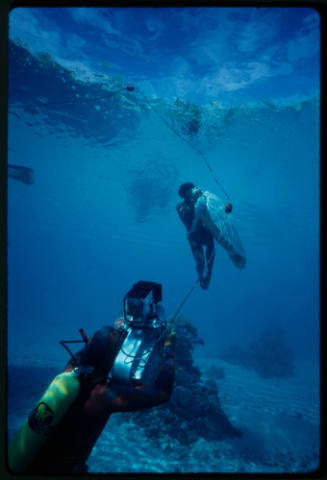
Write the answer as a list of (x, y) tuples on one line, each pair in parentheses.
[(279, 419)]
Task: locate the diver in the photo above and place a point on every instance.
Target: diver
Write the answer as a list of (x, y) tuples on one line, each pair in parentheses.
[(103, 386), (205, 219)]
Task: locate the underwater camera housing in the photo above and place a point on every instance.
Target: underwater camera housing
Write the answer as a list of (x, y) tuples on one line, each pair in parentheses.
[(139, 358)]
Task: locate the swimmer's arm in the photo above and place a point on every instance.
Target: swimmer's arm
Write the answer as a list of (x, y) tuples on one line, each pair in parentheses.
[(179, 208)]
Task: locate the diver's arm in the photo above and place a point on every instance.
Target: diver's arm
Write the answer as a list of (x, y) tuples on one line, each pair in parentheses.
[(179, 209), (184, 214), (126, 398)]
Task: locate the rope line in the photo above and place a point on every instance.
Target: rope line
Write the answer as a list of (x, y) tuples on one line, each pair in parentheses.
[(185, 299), (188, 142), (61, 102)]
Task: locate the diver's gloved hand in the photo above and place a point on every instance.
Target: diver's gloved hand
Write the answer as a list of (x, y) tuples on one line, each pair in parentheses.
[(170, 338)]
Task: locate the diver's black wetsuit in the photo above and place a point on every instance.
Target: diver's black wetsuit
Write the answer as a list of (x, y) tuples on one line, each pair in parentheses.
[(201, 237), (72, 441)]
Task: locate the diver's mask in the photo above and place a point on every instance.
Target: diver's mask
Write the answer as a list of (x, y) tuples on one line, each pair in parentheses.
[(142, 305)]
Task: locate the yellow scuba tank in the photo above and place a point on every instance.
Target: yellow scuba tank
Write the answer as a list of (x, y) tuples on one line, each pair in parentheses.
[(48, 412)]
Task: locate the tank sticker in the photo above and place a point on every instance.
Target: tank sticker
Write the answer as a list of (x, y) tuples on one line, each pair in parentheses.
[(40, 419)]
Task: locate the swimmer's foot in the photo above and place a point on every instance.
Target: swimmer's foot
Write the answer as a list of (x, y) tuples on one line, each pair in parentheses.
[(204, 282)]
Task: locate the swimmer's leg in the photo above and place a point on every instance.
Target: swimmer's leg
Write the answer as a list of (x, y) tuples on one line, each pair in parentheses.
[(198, 255), (210, 256)]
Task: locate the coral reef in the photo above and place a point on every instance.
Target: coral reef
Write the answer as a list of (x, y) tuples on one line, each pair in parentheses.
[(194, 409), (269, 355)]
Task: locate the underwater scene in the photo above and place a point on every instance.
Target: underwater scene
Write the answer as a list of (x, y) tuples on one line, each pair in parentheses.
[(177, 146)]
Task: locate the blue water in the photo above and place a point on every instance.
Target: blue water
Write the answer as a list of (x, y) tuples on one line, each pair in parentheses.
[(101, 212)]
